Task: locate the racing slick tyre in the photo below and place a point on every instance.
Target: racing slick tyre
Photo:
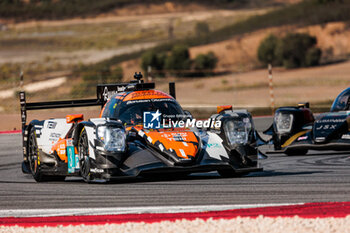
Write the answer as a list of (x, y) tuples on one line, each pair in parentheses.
[(84, 158), (294, 152), (229, 173), (34, 160)]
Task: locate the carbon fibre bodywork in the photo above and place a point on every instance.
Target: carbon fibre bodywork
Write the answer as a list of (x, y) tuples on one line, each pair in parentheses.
[(295, 130)]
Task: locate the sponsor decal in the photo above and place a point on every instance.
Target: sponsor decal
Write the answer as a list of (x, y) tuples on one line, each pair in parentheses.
[(331, 120), (320, 138), (209, 123), (345, 136), (96, 170), (70, 155), (151, 120), (51, 124), (150, 94), (137, 101), (54, 136), (108, 94), (178, 136), (213, 145), (302, 138), (326, 127), (147, 101)]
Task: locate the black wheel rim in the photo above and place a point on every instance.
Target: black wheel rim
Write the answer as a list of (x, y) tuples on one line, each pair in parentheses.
[(33, 154), (84, 156)]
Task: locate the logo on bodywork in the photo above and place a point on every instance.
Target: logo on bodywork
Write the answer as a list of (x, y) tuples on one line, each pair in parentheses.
[(213, 145), (96, 170), (302, 138), (151, 120), (108, 94), (326, 127), (54, 136), (51, 124), (345, 136)]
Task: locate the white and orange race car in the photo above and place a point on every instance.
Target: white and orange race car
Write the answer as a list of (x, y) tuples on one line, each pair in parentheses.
[(141, 132)]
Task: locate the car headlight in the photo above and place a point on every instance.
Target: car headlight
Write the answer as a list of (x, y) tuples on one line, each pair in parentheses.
[(237, 131), (113, 138), (283, 122)]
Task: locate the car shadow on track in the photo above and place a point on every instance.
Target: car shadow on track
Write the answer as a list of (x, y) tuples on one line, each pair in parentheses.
[(198, 176), (311, 153), (322, 153), (124, 180), (279, 173)]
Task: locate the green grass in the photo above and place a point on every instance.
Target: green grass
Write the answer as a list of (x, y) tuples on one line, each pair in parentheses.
[(305, 13), (107, 35), (58, 9), (308, 12), (63, 9), (93, 36), (70, 38)]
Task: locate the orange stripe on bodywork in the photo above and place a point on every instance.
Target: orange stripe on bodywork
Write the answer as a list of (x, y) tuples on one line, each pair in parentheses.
[(60, 148), (176, 140), (149, 94)]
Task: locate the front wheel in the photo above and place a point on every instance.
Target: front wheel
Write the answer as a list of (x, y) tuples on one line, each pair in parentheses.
[(84, 158)]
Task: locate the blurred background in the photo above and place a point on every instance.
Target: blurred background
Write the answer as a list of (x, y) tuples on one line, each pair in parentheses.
[(217, 51)]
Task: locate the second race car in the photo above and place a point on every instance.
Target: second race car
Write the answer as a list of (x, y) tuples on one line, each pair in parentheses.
[(295, 130)]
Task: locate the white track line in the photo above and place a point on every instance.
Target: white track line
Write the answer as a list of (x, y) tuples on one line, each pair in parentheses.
[(130, 210)]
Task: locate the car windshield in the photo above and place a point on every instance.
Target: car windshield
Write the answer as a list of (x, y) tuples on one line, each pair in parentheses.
[(342, 102), (131, 112)]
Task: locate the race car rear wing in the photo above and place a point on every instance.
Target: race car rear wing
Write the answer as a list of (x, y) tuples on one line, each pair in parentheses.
[(52, 104)]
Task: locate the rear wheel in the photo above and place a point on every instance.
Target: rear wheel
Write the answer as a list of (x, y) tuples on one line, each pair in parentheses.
[(294, 152), (84, 158), (34, 161), (230, 173)]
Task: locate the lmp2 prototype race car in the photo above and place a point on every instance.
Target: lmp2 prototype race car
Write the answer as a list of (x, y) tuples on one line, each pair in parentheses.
[(295, 130), (140, 132)]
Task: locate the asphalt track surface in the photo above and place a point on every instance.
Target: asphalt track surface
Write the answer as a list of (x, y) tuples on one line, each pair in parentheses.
[(316, 177)]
